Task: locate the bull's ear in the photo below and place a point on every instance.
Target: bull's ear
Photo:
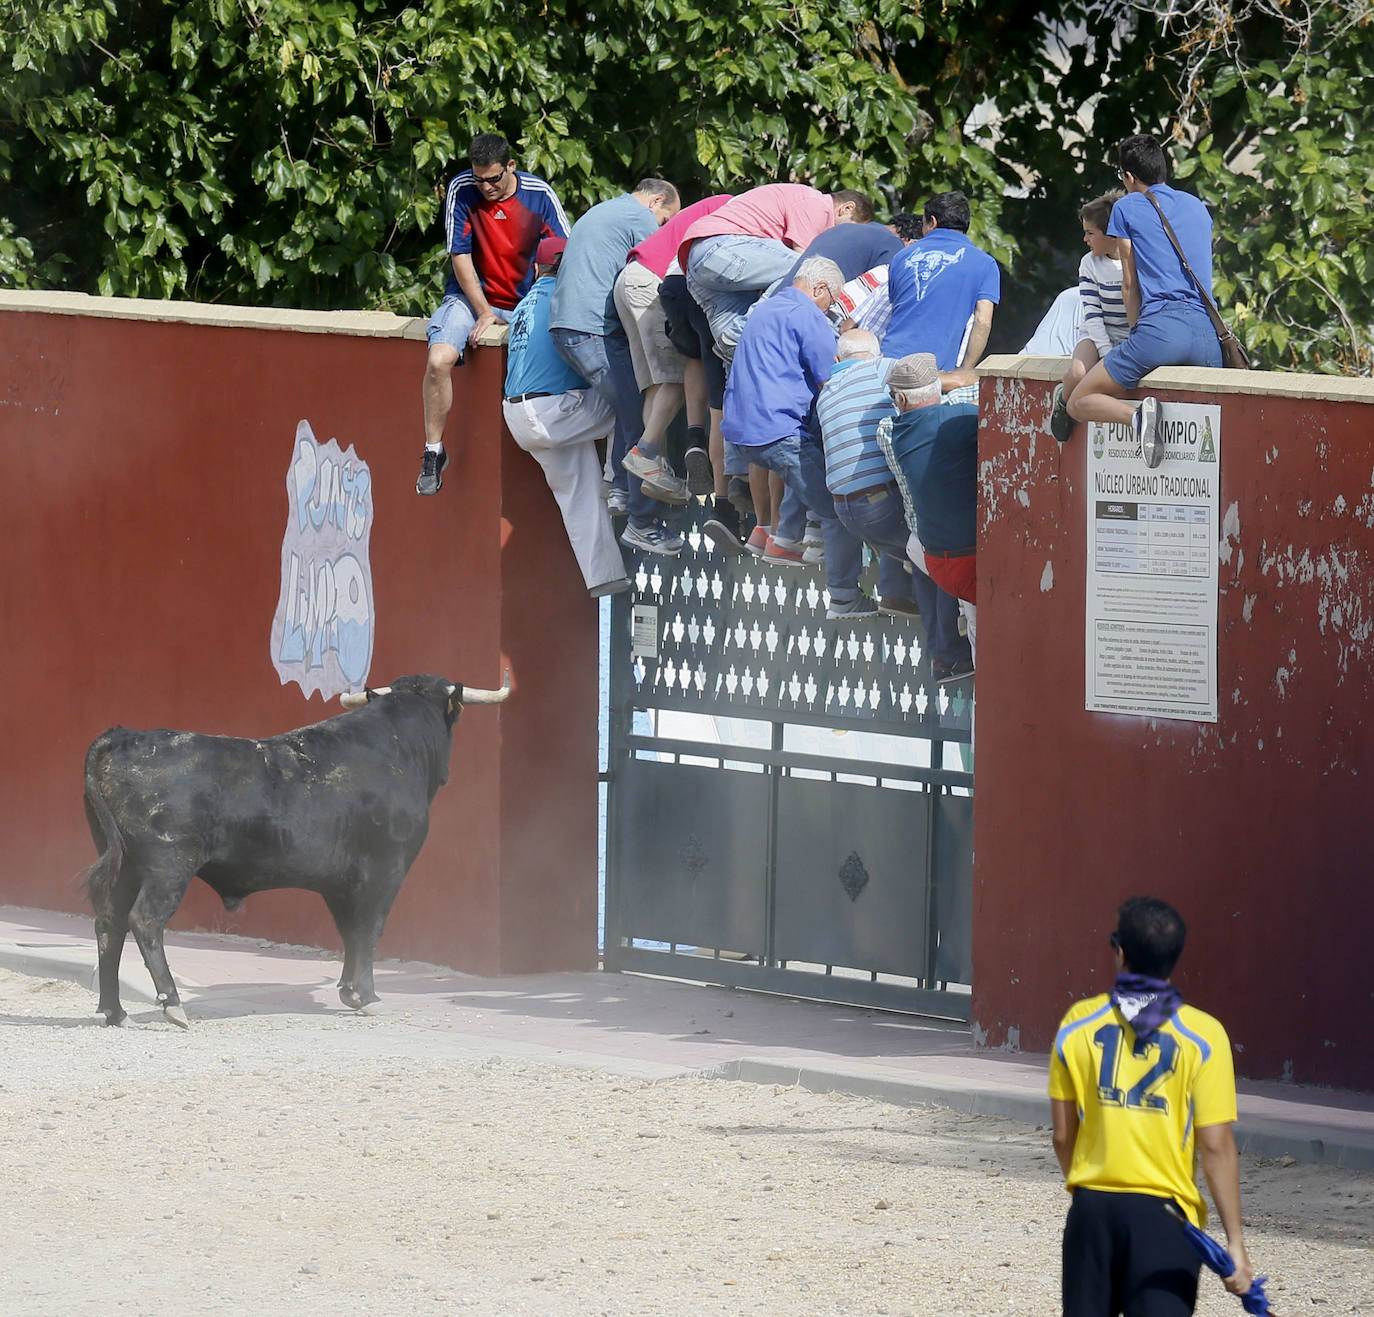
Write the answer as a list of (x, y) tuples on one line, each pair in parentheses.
[(454, 705)]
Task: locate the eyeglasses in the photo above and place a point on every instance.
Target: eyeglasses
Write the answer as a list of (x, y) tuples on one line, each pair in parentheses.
[(1115, 940), (490, 180), (896, 395)]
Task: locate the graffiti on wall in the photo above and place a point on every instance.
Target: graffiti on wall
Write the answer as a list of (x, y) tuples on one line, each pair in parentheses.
[(324, 626)]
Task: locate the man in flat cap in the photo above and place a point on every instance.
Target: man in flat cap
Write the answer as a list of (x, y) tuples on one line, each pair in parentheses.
[(932, 451)]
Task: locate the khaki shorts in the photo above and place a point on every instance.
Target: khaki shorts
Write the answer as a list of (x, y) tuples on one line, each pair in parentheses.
[(656, 360)]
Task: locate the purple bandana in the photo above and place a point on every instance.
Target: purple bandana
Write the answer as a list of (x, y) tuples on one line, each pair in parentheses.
[(1146, 1004)]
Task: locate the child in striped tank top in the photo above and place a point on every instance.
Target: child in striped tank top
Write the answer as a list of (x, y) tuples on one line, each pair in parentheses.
[(1104, 311)]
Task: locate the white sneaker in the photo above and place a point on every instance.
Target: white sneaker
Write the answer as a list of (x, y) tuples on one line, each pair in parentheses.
[(617, 502), (1146, 425), (637, 464), (666, 488)]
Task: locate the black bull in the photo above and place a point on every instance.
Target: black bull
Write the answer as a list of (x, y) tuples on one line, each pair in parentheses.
[(340, 808)]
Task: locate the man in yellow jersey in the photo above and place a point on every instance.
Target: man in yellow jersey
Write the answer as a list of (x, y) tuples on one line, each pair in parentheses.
[(1140, 1084)]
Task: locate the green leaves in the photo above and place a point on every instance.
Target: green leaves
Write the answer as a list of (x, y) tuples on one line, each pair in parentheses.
[(284, 152), (1291, 191)]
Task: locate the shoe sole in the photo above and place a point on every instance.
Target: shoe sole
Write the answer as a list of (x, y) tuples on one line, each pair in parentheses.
[(912, 613), (609, 588), (1151, 445), (953, 677), (1061, 423), (831, 616), (677, 497), (724, 538), (743, 503), (782, 562), (700, 481)]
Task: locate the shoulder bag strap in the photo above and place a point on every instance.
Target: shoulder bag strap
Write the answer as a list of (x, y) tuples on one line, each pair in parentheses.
[(1223, 330)]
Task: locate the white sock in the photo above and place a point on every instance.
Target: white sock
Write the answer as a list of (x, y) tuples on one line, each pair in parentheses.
[(435, 448)]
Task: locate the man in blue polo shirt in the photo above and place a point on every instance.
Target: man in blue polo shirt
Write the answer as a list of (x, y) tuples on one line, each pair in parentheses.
[(555, 415), (785, 353), (943, 290), (1169, 323)]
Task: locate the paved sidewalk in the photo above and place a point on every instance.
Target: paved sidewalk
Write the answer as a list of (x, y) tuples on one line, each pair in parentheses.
[(657, 1028)]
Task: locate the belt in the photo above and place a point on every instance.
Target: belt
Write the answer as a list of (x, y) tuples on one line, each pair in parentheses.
[(525, 397), (872, 493), (950, 553)]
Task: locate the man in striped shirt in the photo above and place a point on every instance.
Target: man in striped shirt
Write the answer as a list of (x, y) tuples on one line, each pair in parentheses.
[(854, 401)]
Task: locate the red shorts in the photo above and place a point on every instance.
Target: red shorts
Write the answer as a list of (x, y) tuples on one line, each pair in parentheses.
[(954, 575)]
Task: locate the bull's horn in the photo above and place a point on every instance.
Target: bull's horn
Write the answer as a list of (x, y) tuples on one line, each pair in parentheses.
[(356, 699), (475, 695)]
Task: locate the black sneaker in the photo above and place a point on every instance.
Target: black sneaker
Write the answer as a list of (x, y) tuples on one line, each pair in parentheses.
[(960, 670), (432, 468), (1061, 423), (699, 478), (739, 494), (722, 528)]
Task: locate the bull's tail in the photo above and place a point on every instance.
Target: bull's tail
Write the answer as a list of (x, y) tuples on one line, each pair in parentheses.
[(103, 875)]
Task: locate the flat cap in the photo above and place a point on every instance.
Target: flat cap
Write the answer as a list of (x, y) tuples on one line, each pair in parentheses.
[(916, 371)]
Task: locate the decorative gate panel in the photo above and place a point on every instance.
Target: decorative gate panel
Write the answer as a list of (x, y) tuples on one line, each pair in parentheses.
[(741, 849)]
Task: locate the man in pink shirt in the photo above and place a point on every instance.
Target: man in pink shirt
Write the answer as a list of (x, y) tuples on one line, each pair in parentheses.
[(732, 255), (660, 368)]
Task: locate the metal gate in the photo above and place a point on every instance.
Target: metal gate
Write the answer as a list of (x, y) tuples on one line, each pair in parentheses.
[(741, 847)]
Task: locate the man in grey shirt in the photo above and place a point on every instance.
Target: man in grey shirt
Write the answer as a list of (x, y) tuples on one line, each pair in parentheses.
[(588, 335)]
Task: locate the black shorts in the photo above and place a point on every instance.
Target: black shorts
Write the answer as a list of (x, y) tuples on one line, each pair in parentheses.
[(690, 332), (1124, 1254)]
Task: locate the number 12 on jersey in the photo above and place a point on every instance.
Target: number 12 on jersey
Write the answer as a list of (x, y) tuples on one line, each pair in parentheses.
[(1141, 1095)]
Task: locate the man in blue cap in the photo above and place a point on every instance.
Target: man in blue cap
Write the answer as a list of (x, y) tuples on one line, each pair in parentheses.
[(557, 417)]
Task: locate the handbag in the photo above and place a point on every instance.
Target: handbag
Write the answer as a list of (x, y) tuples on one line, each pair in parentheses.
[(1233, 354)]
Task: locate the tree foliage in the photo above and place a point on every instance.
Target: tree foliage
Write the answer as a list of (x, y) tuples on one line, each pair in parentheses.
[(284, 152)]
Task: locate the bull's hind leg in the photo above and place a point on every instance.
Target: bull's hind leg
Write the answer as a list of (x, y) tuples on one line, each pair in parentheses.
[(156, 903), (111, 928), (111, 887)]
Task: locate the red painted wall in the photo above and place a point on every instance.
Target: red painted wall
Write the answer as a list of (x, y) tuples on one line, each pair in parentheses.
[(1259, 827), (142, 481)]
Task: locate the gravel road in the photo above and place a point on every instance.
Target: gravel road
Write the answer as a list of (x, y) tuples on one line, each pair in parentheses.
[(342, 1165)]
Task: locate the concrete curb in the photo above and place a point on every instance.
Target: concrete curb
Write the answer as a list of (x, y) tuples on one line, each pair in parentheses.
[(1260, 1138), (985, 1100), (61, 960)]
